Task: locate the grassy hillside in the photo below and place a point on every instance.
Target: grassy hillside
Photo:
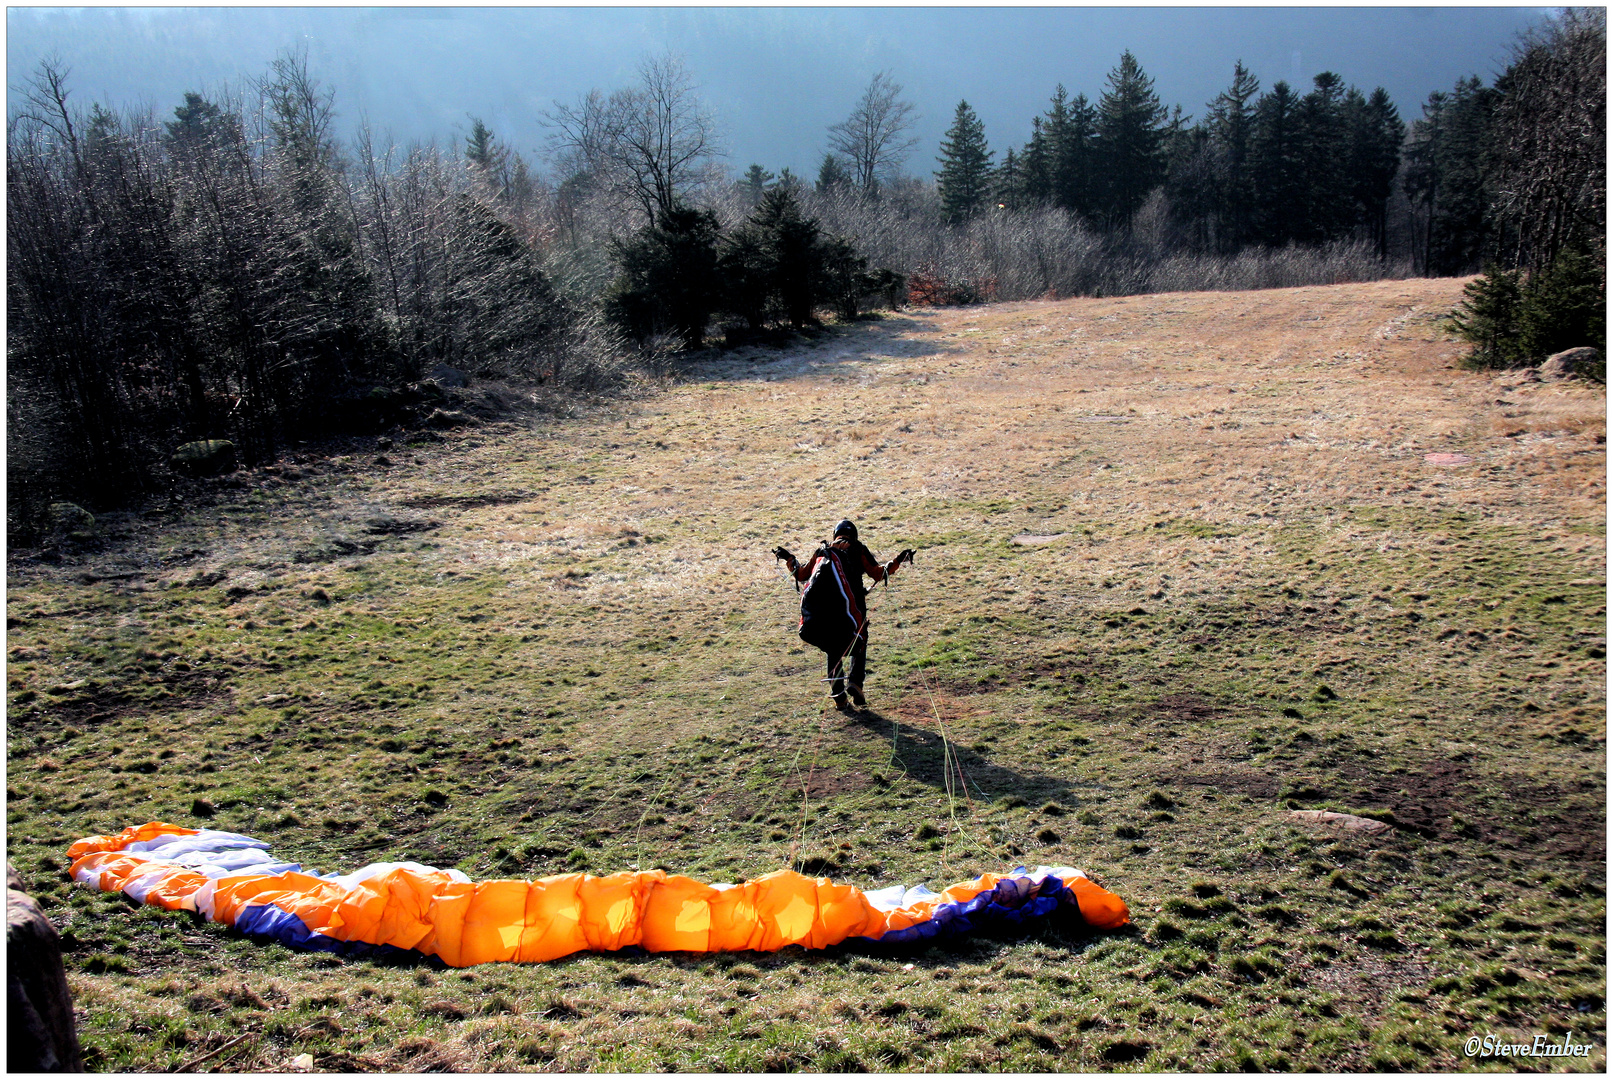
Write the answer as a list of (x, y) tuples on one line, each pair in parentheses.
[(1185, 565)]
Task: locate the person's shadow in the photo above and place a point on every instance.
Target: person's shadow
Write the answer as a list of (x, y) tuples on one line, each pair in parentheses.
[(928, 758)]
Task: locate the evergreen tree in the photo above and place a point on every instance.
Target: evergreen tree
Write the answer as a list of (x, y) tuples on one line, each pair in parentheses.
[(832, 175), (1231, 125), (480, 152), (1488, 318), (1446, 178), (1036, 168), (744, 270), (792, 242), (1325, 211), (964, 178), (1129, 141), (845, 276), (200, 126), (1277, 167), (489, 163), (788, 181), (1375, 137), (1007, 181), (1192, 174), (1564, 306), (669, 277), (753, 185), (1072, 128)]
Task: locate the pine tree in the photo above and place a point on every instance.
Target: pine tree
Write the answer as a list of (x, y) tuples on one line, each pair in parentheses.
[(1447, 181), (1277, 168), (488, 162), (200, 126), (1375, 137), (1564, 306), (1231, 123), (1036, 167), (1192, 173), (792, 243), (1072, 131), (832, 175), (1130, 133), (753, 185), (965, 174), (669, 277), (1488, 318), (1325, 211), (1008, 182)]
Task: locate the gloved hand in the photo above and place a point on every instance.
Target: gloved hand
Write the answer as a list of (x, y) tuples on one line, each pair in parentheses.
[(906, 556), (780, 553)]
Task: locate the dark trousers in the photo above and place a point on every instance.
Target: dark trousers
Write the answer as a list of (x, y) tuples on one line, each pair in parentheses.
[(859, 665)]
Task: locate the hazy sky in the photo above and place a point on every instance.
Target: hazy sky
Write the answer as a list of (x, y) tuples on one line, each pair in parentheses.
[(776, 77)]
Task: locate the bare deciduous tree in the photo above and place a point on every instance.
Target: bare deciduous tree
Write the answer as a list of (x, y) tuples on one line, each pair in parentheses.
[(874, 138), (648, 144), (1551, 137)]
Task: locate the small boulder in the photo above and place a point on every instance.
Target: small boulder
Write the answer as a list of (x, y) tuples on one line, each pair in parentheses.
[(1573, 363), (206, 457), (72, 522), (448, 378), (1346, 823), (447, 418), (39, 1008)]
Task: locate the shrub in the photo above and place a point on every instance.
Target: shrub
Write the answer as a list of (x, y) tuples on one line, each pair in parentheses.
[(1564, 307), (668, 282), (1514, 320)]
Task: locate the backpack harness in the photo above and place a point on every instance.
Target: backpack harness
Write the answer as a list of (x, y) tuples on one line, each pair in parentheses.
[(831, 618)]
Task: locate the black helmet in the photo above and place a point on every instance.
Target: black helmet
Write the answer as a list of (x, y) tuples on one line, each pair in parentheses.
[(845, 528)]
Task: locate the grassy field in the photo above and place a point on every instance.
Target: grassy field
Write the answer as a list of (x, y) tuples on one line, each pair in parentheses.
[(1185, 566)]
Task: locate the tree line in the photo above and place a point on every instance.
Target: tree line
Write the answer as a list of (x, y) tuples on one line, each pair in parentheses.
[(1508, 178), (1512, 177), (1266, 170), (235, 271)]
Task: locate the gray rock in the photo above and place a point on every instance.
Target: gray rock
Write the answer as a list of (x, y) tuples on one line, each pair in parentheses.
[(207, 457), (447, 377), (1348, 823), (1571, 363), (72, 521), (39, 1008), (447, 418)]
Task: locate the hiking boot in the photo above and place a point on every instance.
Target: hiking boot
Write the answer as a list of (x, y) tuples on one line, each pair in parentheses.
[(857, 696), (842, 704)]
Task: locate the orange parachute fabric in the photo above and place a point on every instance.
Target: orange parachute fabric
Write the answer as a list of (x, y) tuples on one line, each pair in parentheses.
[(231, 879)]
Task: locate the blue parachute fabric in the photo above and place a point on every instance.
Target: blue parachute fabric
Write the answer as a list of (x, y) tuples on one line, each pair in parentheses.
[(266, 922), (1010, 903)]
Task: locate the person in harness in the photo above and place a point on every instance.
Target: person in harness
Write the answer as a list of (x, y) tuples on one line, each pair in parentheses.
[(834, 606)]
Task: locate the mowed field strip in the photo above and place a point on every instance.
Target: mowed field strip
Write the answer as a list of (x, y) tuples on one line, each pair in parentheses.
[(1186, 564)]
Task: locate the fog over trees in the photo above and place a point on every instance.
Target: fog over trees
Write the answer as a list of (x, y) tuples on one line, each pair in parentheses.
[(227, 267)]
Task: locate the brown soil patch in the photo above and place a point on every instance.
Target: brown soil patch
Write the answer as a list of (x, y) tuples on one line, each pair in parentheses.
[(469, 502), (824, 781), (1229, 780)]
